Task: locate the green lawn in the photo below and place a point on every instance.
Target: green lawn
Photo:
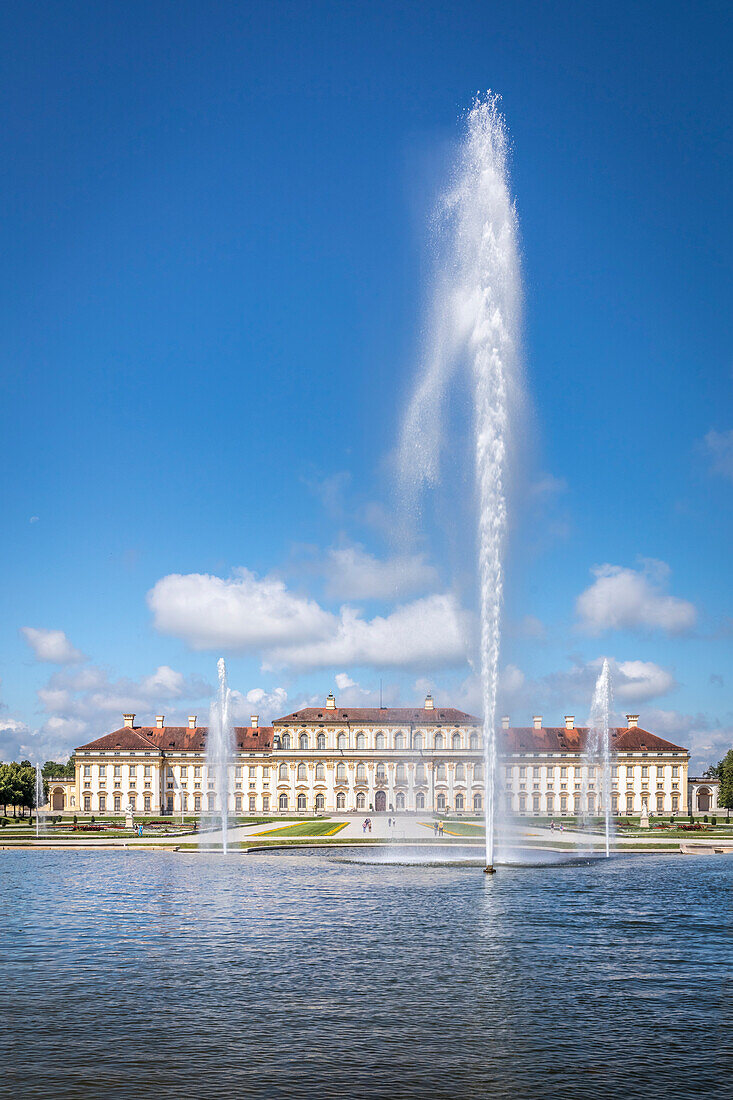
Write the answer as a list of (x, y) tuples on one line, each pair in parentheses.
[(306, 828)]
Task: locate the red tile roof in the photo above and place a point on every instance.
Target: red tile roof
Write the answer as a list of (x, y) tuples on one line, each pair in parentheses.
[(560, 739), (177, 739), (441, 716)]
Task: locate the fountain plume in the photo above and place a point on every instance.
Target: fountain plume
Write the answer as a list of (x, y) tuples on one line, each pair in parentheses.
[(219, 754), (598, 746), (476, 325)]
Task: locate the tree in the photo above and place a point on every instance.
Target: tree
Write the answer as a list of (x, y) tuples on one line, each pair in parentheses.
[(53, 770), (725, 775)]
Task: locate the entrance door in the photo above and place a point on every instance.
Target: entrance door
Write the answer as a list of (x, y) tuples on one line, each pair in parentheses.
[(380, 802), (703, 800)]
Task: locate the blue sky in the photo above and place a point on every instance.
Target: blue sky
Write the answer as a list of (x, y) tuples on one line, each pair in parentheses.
[(216, 244)]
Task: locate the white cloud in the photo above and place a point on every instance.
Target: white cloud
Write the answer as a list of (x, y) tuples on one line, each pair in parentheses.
[(720, 448), (265, 704), (623, 598), (354, 574), (242, 613), (343, 681), (51, 645), (246, 614), (637, 681)]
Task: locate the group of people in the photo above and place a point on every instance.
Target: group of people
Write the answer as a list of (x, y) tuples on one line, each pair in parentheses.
[(552, 826), (438, 828), (366, 825)]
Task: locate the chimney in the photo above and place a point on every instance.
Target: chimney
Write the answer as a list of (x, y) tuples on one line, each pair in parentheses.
[(537, 721), (255, 721), (160, 721), (330, 702), (505, 722), (192, 721), (429, 704), (129, 720), (633, 720), (569, 721)]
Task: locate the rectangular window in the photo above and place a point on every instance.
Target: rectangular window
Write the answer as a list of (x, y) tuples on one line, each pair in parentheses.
[(87, 770), (265, 773), (238, 772), (522, 771), (536, 772), (148, 770), (184, 771), (266, 804), (252, 771), (644, 771), (629, 773), (508, 772), (197, 771), (563, 772), (118, 771), (133, 771), (252, 803), (87, 803), (660, 771), (170, 773), (614, 771), (102, 770), (146, 803), (675, 771)]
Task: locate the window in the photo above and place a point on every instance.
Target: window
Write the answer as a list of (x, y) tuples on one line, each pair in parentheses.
[(399, 742), (146, 804), (320, 772), (417, 742), (477, 802), (522, 772), (456, 740), (252, 771), (282, 772), (399, 774), (340, 801), (675, 803), (473, 742), (301, 803), (439, 741), (285, 743), (459, 801), (614, 771), (266, 773), (629, 804), (87, 771), (302, 771), (360, 801), (361, 741), (321, 741), (629, 773), (440, 802), (303, 741), (340, 773), (400, 801), (117, 803), (675, 771), (320, 802), (197, 771), (563, 803), (87, 803), (420, 773), (478, 773), (536, 772), (550, 803), (576, 804), (644, 771), (102, 803), (522, 803), (614, 803), (591, 803), (102, 771), (252, 803), (132, 802), (420, 801), (184, 771), (535, 803), (147, 771), (238, 804), (379, 741), (283, 802), (341, 741), (211, 802), (360, 773), (563, 772), (266, 804), (440, 772), (118, 771), (660, 772), (169, 773), (660, 803), (184, 801)]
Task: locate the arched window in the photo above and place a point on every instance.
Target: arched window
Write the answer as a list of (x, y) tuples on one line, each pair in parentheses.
[(341, 742), (629, 803), (303, 741), (238, 804), (614, 803), (340, 801), (301, 802), (675, 803), (399, 741), (473, 743), (460, 773), (361, 740), (660, 803), (360, 801), (456, 740), (535, 803), (417, 742), (283, 771), (360, 773), (477, 803), (478, 773), (321, 741), (441, 802), (320, 771), (576, 804), (320, 802), (420, 800), (196, 803), (379, 742), (283, 802), (400, 773), (285, 741), (440, 772), (265, 803), (459, 801), (340, 773), (400, 801), (439, 740), (102, 803), (522, 803), (420, 773), (563, 803), (302, 771), (118, 803)]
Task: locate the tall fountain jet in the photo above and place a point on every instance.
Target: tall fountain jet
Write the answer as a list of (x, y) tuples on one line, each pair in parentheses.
[(598, 744), (476, 324), (220, 752), (39, 797)]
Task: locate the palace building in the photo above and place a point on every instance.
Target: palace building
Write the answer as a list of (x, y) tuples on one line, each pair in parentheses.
[(340, 759)]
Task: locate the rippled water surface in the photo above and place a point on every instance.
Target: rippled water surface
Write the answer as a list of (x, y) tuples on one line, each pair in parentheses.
[(291, 975)]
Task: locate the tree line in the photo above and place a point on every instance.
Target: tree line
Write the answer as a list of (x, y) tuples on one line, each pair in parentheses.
[(724, 772), (18, 783)]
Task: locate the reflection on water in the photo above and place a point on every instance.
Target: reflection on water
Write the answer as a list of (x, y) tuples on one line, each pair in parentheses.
[(169, 975)]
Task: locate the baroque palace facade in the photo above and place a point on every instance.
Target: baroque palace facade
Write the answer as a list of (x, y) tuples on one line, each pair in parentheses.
[(338, 760)]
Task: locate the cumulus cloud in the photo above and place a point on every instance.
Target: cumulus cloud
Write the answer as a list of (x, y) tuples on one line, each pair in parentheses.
[(354, 574), (637, 681), (265, 704), (246, 614), (51, 645), (707, 739), (632, 599), (719, 446)]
